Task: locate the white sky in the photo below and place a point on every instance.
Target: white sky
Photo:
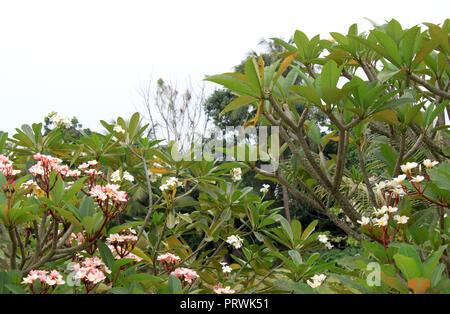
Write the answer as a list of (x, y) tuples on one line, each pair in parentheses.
[(86, 58)]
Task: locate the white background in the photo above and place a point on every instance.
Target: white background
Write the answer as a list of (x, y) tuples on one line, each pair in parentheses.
[(87, 58)]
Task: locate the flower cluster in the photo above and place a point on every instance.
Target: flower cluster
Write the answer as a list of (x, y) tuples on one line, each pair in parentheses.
[(169, 261), (89, 168), (219, 290), (60, 120), (110, 199), (185, 275), (78, 238), (317, 280), (235, 240), (324, 239), (123, 242), (91, 271), (390, 191), (237, 174), (381, 219), (115, 176), (6, 167), (171, 184), (47, 280), (45, 165)]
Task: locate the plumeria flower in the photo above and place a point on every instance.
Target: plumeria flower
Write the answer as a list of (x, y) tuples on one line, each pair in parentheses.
[(364, 221), (417, 179), (323, 238), (398, 192), (169, 258), (430, 164), (381, 185), (219, 290), (400, 179), (382, 210), (392, 209), (401, 219), (154, 176), (383, 221), (92, 163), (226, 269), (171, 184), (48, 280), (115, 176), (317, 280), (185, 275), (127, 176), (235, 240), (60, 121), (265, 188), (118, 129), (237, 174), (406, 168)]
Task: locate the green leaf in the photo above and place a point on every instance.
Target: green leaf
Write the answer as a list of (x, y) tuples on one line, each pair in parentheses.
[(58, 191), (330, 74), (309, 93), (106, 254), (237, 103), (251, 73), (309, 229), (295, 257), (389, 46), (174, 285), (234, 82), (286, 227), (408, 43), (15, 289), (314, 133), (407, 266)]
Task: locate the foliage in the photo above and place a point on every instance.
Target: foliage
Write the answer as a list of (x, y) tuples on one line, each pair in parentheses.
[(67, 207)]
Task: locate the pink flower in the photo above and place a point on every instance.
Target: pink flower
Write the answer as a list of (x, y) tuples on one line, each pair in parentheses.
[(219, 290), (185, 274)]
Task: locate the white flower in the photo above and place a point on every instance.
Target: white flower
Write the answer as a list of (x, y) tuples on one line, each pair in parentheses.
[(401, 219), (265, 188), (60, 121), (154, 176), (226, 269), (392, 209), (317, 280), (381, 211), (127, 176), (383, 221), (323, 238), (417, 179), (237, 173), (115, 176), (406, 168), (398, 192), (380, 186), (118, 129), (328, 245), (364, 221), (400, 179), (430, 164), (235, 240)]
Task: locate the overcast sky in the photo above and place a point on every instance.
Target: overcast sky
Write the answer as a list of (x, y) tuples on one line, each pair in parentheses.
[(87, 58)]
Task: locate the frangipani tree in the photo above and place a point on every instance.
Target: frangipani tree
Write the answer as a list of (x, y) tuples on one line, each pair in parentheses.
[(391, 81)]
